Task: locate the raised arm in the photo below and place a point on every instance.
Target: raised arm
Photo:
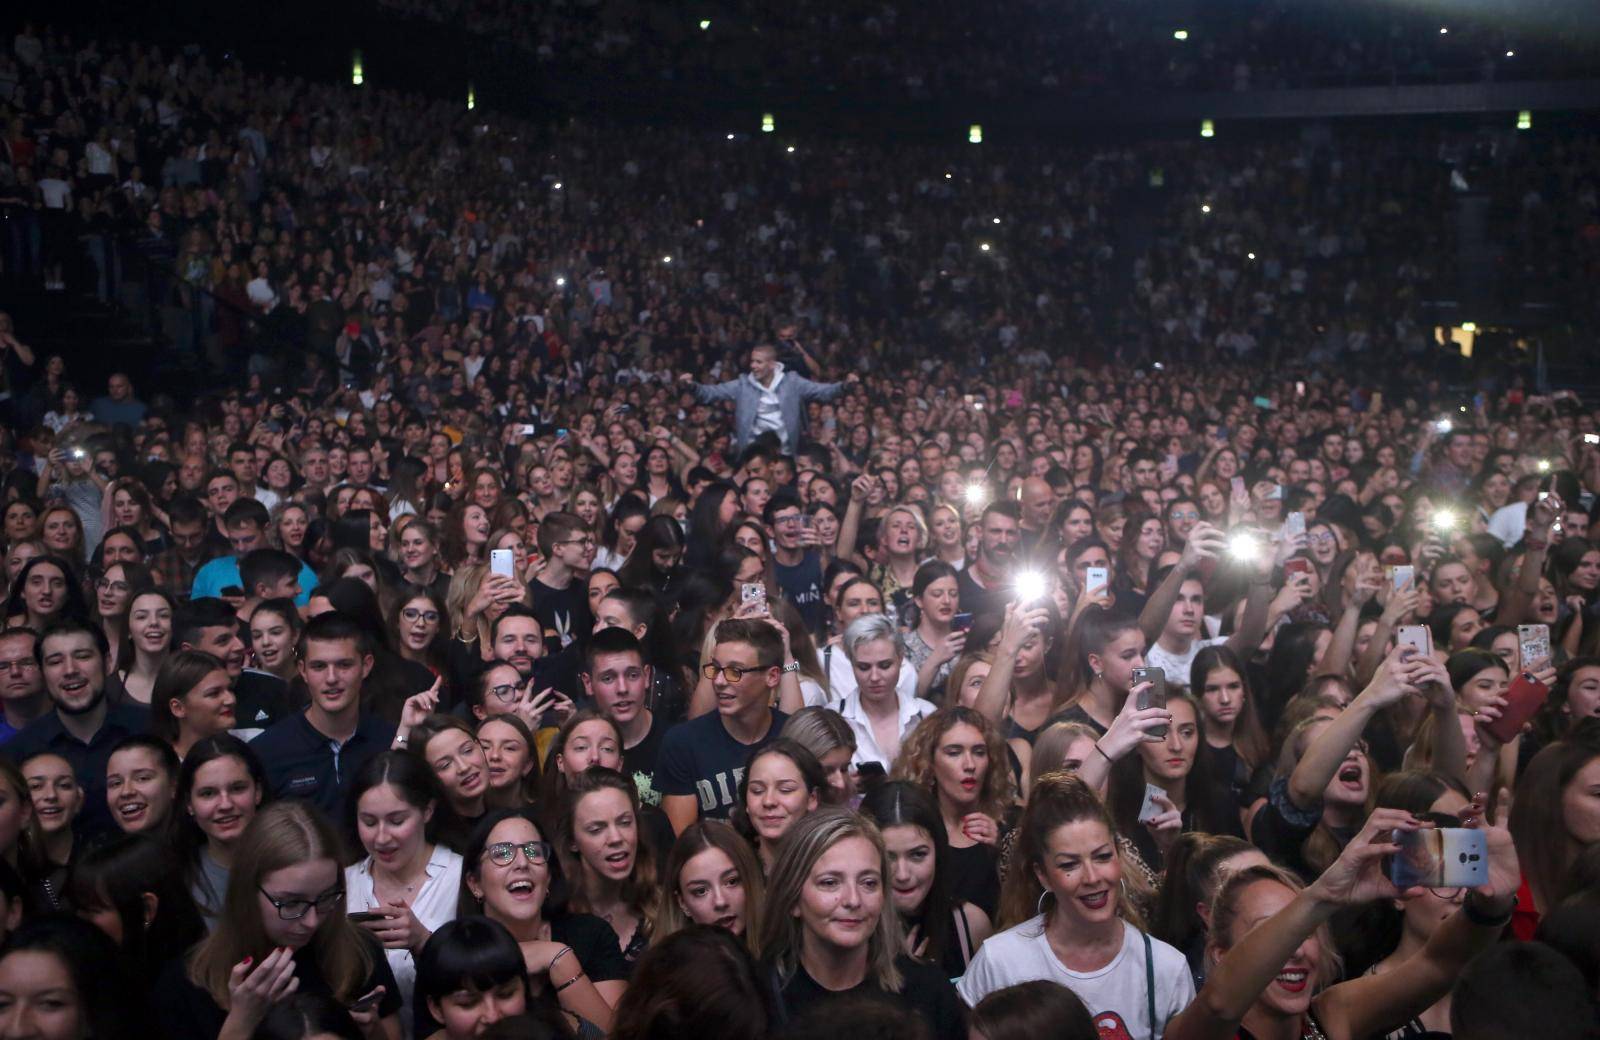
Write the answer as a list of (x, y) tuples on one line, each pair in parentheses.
[(845, 547), (1205, 543), (1321, 760), (1514, 608), (1256, 958), (1020, 622)]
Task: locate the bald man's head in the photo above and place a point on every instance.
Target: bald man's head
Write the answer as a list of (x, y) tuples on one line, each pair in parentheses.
[(763, 362), (1037, 502)]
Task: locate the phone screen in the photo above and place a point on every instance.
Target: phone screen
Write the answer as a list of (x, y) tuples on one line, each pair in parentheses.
[(1154, 697)]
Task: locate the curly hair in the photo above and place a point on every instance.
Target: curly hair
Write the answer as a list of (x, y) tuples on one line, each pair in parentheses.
[(916, 757)]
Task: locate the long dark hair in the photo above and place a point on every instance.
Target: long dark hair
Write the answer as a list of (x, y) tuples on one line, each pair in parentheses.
[(116, 874), (1249, 738), (900, 803), (191, 839), (555, 900), (73, 605), (408, 774), (1203, 810), (700, 981)]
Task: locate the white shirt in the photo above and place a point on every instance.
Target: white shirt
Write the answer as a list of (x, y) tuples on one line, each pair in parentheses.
[(769, 412), (1509, 522), (912, 711), (1117, 995), (434, 905), (1176, 666)]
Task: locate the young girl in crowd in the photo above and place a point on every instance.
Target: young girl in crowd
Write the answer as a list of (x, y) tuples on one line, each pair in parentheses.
[(782, 782), (220, 786), (712, 878), (192, 699), (613, 872)]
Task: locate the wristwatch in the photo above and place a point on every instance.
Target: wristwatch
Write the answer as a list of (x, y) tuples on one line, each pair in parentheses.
[(792, 666)]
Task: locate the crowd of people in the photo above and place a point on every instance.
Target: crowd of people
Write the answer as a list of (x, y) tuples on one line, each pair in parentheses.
[(750, 619), (1020, 49)]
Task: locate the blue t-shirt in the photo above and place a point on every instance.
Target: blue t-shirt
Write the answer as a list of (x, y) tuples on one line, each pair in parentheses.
[(700, 757), (802, 586), (223, 571)]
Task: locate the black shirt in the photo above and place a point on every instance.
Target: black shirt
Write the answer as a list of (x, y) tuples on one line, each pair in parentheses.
[(187, 1012), (977, 600), (639, 761), (700, 757), (303, 763), (263, 699), (802, 586), (973, 876), (564, 613), (924, 989), (88, 761)]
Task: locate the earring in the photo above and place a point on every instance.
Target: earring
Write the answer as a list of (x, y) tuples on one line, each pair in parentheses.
[(1039, 909)]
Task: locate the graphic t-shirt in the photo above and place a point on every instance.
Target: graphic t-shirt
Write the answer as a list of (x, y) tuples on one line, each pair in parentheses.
[(700, 757), (802, 586), (1117, 995), (563, 613), (640, 761)]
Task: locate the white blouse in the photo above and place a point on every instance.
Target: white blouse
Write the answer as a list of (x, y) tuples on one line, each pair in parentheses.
[(434, 905)]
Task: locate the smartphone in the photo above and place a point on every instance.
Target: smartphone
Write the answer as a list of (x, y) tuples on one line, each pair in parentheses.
[(1417, 637), (753, 592), (1262, 402), (1535, 642), (1402, 575), (525, 430), (365, 1002), (78, 453), (1095, 578), (1296, 565), (503, 562), (1154, 697), (806, 520), (961, 623), (1293, 524), (1276, 493), (561, 435), (1151, 808), (1299, 389), (1524, 696), (1440, 857), (1591, 438), (363, 916)]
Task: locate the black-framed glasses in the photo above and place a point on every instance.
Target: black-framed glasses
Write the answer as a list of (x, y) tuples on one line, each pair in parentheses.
[(504, 692), (586, 540), (294, 909), (413, 614), (733, 673), (504, 853)]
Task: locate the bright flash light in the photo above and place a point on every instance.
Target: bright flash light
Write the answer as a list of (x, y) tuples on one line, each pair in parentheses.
[(997, 220), (1443, 426), (976, 494), (1031, 586), (1205, 207), (984, 247), (1444, 519), (666, 259), (789, 149), (1208, 128), (1244, 548), (1469, 326), (1444, 30), (730, 137), (1544, 465), (561, 282), (1511, 54), (948, 176), (1180, 34), (1249, 256), (557, 185), (705, 23)]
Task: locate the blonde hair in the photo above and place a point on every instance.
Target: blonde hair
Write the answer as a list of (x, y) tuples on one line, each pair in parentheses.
[(807, 842), (283, 834), (1225, 918)]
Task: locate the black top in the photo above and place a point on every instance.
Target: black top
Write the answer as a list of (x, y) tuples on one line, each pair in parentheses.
[(924, 989), (187, 1012), (88, 761), (303, 763), (974, 876), (263, 699), (639, 761), (701, 758), (593, 943)]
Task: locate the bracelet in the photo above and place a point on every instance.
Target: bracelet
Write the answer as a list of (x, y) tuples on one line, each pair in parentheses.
[(1483, 920), (569, 982), (792, 666), (1103, 755), (1536, 545), (562, 953)]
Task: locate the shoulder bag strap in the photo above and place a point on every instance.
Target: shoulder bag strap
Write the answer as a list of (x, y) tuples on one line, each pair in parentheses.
[(1150, 986)]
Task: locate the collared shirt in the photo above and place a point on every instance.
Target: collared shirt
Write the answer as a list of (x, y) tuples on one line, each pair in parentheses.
[(912, 711), (302, 762), (88, 760), (176, 573), (434, 904)]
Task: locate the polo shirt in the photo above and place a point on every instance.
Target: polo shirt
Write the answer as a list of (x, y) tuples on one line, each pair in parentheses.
[(88, 760), (224, 571), (301, 762)]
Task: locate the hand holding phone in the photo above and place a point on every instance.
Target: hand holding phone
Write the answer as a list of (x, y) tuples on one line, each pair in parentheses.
[(503, 562), (1155, 696), (753, 594), (1440, 857), (1524, 697), (1418, 637)]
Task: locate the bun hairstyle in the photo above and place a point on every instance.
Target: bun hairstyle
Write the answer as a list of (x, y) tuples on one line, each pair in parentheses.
[(1057, 799)]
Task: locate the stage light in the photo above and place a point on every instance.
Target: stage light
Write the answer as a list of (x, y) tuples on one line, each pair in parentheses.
[(975, 134), (472, 97), (1180, 34), (705, 23), (357, 76), (1208, 128), (768, 124), (1525, 120)]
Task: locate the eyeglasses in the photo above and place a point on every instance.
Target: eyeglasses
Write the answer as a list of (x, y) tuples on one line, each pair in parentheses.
[(578, 541), (1190, 515), (294, 909), (21, 664), (504, 692), (107, 585), (413, 614), (1321, 536), (732, 673), (504, 853)]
